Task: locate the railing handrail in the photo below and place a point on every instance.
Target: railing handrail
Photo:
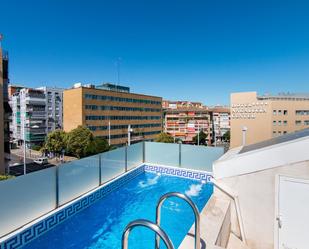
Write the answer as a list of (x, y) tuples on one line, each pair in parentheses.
[(194, 208), (233, 196), (145, 223)]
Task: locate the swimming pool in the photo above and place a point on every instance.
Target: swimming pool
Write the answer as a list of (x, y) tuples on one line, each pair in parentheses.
[(101, 224)]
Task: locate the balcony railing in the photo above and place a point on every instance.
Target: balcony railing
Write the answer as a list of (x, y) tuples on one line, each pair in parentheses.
[(28, 197)]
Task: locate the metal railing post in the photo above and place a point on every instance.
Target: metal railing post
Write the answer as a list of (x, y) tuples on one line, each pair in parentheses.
[(179, 163), (57, 186), (126, 159), (100, 171), (144, 151), (145, 223)]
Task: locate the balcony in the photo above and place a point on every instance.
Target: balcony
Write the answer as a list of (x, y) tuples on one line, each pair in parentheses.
[(35, 101)]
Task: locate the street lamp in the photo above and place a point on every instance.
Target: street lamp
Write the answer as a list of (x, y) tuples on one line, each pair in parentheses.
[(129, 134), (109, 132)]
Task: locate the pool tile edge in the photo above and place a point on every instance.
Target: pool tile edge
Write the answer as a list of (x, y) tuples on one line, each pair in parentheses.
[(179, 172), (36, 228)]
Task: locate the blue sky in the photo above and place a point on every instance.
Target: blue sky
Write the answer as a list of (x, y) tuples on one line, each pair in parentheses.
[(189, 50)]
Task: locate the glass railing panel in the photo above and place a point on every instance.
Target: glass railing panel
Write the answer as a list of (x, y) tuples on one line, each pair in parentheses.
[(162, 153), (199, 157), (112, 164), (135, 155), (25, 198), (78, 177)]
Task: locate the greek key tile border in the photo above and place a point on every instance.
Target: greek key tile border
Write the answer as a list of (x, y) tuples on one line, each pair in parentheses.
[(29, 234), (180, 172)]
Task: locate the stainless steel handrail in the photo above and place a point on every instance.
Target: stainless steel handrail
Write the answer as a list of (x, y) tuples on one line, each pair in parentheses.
[(194, 208), (145, 223), (233, 196)]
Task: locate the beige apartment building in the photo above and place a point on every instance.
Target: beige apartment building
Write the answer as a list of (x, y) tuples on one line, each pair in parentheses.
[(184, 120), (108, 110), (256, 118)]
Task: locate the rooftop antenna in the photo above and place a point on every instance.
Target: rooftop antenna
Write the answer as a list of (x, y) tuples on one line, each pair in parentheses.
[(118, 70)]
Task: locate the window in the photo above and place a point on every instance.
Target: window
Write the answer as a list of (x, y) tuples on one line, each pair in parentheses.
[(274, 112), (285, 132), (279, 122), (91, 107), (274, 133), (285, 122), (306, 122), (285, 112), (298, 122), (279, 132), (95, 117), (279, 112), (120, 99), (302, 112), (274, 123)]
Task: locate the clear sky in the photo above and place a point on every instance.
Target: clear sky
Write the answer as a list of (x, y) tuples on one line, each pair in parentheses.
[(188, 50)]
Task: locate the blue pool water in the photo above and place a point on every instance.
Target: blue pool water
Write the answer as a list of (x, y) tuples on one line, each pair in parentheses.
[(101, 225)]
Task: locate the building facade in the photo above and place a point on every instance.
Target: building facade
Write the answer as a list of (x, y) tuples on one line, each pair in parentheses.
[(184, 120), (256, 118), (36, 112), (220, 122), (108, 110), (5, 110), (2, 167), (53, 108), (13, 90), (32, 115)]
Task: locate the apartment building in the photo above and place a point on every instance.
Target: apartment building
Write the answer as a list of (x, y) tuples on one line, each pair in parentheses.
[(108, 110), (256, 118), (13, 90), (53, 108), (185, 119), (220, 121), (2, 167), (5, 110), (36, 112)]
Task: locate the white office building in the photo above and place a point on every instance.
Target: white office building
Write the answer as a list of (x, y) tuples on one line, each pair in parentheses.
[(37, 112)]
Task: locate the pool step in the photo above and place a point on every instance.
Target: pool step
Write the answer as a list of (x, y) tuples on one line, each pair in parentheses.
[(235, 243), (213, 216)]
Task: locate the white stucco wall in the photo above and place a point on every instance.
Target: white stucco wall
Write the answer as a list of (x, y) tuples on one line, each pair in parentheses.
[(262, 159), (256, 192)]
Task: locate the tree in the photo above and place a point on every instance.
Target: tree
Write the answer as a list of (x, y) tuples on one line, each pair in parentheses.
[(164, 138), (100, 145), (80, 142), (202, 137), (227, 136), (55, 141), (5, 177)]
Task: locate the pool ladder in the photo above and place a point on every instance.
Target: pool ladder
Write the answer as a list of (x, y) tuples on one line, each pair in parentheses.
[(156, 227)]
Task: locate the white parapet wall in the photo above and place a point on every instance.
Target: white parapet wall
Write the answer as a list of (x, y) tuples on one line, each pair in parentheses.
[(252, 176), (262, 159)]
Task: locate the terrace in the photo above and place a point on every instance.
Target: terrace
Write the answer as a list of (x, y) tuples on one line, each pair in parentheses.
[(246, 198), (104, 192)]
